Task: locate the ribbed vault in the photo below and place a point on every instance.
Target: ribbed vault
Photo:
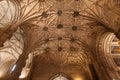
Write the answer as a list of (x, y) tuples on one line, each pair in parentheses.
[(58, 33)]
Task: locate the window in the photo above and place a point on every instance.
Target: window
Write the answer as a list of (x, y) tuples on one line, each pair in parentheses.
[(110, 47), (115, 50), (115, 47), (60, 78)]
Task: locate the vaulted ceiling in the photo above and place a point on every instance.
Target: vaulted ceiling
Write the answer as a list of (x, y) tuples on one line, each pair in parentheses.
[(60, 33)]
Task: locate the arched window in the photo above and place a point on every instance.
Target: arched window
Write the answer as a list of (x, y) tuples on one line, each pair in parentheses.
[(60, 77), (109, 54), (110, 47), (115, 50)]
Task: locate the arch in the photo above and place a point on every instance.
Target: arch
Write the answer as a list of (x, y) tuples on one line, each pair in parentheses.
[(104, 54), (60, 76)]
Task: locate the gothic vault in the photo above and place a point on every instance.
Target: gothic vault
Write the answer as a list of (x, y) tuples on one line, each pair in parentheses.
[(59, 40)]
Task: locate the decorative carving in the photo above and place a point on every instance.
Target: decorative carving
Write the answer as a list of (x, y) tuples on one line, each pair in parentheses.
[(74, 28), (72, 49), (60, 49), (59, 26), (59, 38), (72, 39), (44, 14), (45, 28), (59, 13), (47, 49), (76, 14), (46, 40)]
